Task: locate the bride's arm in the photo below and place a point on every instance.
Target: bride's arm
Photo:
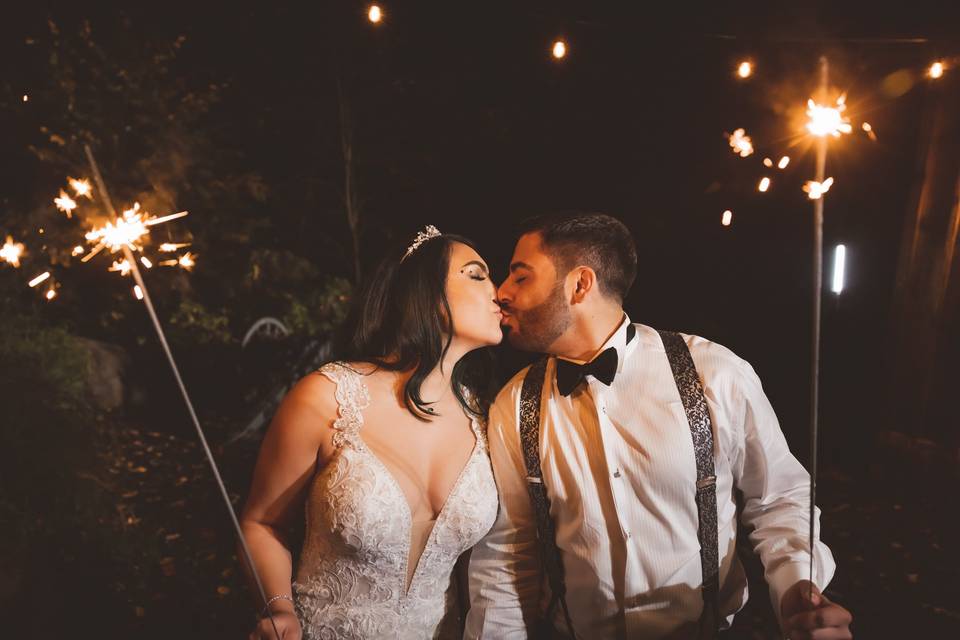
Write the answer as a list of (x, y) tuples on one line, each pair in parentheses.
[(298, 439)]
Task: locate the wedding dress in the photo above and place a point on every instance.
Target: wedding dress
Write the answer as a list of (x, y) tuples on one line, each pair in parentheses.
[(366, 569)]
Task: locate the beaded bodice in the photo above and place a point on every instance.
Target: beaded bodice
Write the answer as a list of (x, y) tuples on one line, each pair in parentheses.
[(351, 580)]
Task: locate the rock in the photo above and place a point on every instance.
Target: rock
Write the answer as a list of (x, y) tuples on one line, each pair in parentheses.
[(104, 376)]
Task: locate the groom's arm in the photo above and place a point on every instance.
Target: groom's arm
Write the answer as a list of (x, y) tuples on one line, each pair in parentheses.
[(776, 491), (505, 566)]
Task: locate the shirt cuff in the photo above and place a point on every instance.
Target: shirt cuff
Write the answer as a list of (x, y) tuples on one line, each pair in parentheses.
[(785, 576)]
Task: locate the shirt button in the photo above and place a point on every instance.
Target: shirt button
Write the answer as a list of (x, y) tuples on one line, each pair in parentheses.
[(629, 535)]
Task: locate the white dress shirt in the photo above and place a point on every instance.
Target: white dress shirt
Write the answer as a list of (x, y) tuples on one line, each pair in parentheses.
[(619, 467)]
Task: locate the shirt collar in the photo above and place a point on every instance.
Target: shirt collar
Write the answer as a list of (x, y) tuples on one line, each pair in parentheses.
[(618, 341)]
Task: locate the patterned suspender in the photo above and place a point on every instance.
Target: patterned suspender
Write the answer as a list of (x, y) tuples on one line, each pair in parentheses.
[(701, 429), (530, 398)]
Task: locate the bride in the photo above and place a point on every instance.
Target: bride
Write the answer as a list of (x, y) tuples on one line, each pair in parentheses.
[(385, 454)]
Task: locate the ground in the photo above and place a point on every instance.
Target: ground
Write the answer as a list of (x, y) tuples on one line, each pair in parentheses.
[(174, 572)]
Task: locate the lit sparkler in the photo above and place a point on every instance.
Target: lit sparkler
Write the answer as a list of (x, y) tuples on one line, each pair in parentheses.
[(124, 236), (828, 121), (126, 231), (11, 251), (741, 143)]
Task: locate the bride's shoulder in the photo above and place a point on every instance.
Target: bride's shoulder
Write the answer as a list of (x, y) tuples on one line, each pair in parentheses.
[(351, 374)]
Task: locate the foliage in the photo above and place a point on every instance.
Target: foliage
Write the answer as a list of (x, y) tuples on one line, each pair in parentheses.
[(195, 324)]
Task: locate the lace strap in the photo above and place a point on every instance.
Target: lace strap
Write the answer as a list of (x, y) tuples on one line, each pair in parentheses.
[(352, 398), (477, 425)]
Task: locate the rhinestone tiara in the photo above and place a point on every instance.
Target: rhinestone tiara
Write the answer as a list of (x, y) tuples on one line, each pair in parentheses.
[(428, 232)]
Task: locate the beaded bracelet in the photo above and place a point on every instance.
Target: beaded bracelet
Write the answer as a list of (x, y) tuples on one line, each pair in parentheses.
[(266, 607)]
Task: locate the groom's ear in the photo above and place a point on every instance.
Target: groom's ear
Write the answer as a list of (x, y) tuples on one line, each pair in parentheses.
[(586, 281)]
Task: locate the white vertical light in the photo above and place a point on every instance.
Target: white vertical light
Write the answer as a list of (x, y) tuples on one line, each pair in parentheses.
[(839, 264)]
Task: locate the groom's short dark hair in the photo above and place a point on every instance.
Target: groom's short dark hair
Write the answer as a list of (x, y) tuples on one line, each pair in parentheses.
[(596, 240)]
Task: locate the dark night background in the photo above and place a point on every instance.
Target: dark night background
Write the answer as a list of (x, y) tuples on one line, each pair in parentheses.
[(456, 115)]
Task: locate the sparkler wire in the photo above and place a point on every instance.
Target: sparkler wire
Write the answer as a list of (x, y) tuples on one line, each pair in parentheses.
[(817, 293), (183, 390)]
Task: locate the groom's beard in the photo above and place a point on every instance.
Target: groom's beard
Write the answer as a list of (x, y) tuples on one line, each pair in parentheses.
[(540, 326)]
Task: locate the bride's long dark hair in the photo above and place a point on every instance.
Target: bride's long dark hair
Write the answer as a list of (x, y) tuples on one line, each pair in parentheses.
[(401, 320)]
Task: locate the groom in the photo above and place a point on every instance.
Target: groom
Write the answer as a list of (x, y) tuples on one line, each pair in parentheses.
[(617, 460)]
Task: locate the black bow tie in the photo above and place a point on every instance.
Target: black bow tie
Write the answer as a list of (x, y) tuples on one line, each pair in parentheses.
[(603, 368)]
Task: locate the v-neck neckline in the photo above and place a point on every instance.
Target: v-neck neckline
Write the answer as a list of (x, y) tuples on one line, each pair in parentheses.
[(407, 509)]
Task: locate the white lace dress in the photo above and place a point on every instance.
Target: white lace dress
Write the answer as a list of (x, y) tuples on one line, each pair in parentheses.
[(352, 574)]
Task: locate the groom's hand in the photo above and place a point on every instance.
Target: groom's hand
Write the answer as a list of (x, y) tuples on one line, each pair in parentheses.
[(807, 614)]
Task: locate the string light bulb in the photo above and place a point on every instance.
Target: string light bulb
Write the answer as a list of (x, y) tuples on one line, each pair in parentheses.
[(559, 49)]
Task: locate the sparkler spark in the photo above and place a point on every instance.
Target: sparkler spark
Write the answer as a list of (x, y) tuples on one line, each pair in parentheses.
[(764, 184), (727, 218), (936, 70), (767, 162), (123, 266), (741, 143), (868, 128), (146, 262), (138, 292), (77, 250), (784, 161), (81, 187), (815, 190), (745, 69), (828, 121), (26, 98), (375, 14), (51, 293), (11, 251), (65, 203), (40, 278), (188, 261), (173, 246)]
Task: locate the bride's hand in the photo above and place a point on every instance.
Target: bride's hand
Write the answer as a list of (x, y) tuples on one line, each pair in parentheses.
[(287, 625)]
